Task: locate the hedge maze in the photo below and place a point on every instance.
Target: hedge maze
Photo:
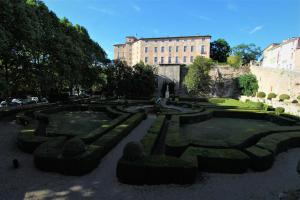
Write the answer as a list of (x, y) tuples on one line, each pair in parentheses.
[(75, 154), (188, 137), (253, 148)]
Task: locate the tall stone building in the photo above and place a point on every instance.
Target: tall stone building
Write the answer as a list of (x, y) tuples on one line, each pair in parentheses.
[(163, 50)]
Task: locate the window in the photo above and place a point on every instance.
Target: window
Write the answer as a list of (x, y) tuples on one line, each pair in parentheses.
[(162, 49), (192, 48), (146, 49), (162, 60), (170, 48), (176, 60), (146, 59), (177, 48), (155, 59), (202, 49), (169, 60), (155, 49), (184, 59), (192, 59), (177, 40), (184, 48)]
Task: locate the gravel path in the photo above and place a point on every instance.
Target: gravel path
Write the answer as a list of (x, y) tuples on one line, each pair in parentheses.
[(29, 183)]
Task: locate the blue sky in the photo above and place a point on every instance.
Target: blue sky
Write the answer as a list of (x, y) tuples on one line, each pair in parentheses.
[(238, 21)]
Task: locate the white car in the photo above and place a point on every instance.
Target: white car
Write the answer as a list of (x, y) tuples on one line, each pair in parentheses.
[(16, 101), (36, 99), (3, 104)]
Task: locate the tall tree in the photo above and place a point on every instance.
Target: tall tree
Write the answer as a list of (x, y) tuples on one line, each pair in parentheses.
[(198, 79), (247, 52), (219, 50)]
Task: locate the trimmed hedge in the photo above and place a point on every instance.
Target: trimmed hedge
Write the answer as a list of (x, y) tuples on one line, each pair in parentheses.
[(279, 142), (260, 159), (150, 139), (175, 144), (93, 135), (217, 100), (219, 160), (283, 97), (193, 99), (197, 117), (279, 110), (271, 96), (261, 95), (49, 156), (156, 169)]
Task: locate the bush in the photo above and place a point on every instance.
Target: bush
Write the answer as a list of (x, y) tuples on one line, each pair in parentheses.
[(294, 101), (133, 151), (156, 169), (271, 95), (248, 84), (260, 159), (219, 160), (234, 61), (73, 147), (284, 97), (298, 97), (261, 95), (150, 139), (279, 110)]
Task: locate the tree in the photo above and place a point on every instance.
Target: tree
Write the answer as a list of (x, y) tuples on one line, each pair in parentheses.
[(219, 50), (197, 79), (248, 84), (247, 52)]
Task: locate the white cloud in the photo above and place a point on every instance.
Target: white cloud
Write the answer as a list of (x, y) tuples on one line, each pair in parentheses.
[(255, 29), (104, 11), (136, 7)]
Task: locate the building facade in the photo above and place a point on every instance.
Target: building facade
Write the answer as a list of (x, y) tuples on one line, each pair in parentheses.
[(285, 55), (163, 50)]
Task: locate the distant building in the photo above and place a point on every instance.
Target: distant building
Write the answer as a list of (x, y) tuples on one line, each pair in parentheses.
[(163, 50), (285, 56)]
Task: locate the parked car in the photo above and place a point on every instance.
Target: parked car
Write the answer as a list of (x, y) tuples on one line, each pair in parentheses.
[(16, 102), (44, 100), (3, 104), (36, 99)]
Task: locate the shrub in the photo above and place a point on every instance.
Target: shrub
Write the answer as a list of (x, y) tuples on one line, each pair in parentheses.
[(248, 84), (298, 97), (294, 101), (271, 95), (279, 110), (261, 95), (268, 108), (156, 169), (234, 61), (133, 151), (260, 159), (73, 147), (284, 97)]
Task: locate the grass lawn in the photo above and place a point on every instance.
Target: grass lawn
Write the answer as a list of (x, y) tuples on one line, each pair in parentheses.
[(240, 104), (225, 130), (78, 122)]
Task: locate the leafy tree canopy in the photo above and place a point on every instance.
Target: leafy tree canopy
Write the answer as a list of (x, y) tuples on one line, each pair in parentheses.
[(247, 52), (219, 50), (198, 79), (248, 84)]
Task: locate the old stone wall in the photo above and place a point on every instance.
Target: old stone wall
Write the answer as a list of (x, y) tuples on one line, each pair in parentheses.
[(277, 81)]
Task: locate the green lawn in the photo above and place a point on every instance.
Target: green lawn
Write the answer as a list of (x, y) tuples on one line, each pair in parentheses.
[(75, 123), (231, 131)]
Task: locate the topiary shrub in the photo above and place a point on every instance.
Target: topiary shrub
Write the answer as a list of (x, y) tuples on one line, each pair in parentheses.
[(279, 110), (73, 147), (298, 97), (284, 97), (261, 95), (294, 101), (271, 96), (133, 151)]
